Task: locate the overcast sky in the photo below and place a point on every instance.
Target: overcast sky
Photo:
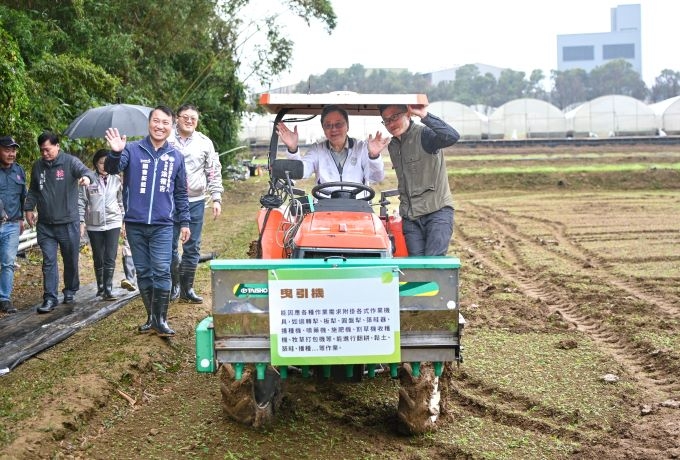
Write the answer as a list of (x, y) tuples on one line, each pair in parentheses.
[(428, 35)]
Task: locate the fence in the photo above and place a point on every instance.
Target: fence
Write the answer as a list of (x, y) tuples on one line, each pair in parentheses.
[(27, 240)]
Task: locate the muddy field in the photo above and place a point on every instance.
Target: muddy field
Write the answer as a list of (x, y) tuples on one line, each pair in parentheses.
[(570, 285)]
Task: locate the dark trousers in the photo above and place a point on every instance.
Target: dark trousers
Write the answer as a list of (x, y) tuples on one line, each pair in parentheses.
[(66, 237), (191, 249), (104, 248), (429, 235)]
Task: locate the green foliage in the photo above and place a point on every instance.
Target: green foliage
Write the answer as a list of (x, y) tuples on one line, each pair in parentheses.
[(321, 9), (666, 85), (511, 85), (569, 87), (362, 80), (13, 97), (60, 58), (35, 31), (469, 87), (65, 84), (617, 77), (64, 57)]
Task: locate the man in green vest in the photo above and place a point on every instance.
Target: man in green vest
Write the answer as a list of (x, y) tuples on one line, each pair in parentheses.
[(426, 203)]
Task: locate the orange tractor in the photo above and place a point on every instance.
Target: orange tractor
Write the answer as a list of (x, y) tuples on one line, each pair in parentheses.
[(330, 292)]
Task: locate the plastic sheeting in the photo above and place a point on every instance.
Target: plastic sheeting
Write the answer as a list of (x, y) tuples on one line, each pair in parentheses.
[(26, 333)]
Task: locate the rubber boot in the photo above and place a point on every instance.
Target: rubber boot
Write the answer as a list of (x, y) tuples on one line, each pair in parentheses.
[(108, 284), (147, 298), (99, 274), (175, 276), (159, 313), (187, 293), (7, 307), (130, 280)]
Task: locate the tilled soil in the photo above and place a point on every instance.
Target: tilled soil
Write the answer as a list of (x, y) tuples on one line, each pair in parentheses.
[(565, 278)]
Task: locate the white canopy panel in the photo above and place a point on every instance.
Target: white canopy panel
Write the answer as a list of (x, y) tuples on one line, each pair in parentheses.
[(527, 118), (612, 115), (469, 123), (667, 114)]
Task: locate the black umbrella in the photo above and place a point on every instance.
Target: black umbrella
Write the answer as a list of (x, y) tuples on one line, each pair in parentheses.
[(131, 120)]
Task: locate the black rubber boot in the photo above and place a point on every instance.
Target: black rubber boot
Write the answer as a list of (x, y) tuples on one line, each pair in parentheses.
[(99, 274), (7, 307), (147, 298), (108, 285), (187, 293), (174, 275), (159, 313)]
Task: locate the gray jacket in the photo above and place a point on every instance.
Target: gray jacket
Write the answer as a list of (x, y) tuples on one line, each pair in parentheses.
[(101, 206), (204, 171)]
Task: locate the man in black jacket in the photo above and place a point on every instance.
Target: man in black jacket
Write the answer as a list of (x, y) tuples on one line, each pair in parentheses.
[(55, 179)]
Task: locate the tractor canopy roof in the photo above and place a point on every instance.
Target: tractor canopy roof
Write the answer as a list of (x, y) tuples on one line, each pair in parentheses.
[(354, 103)]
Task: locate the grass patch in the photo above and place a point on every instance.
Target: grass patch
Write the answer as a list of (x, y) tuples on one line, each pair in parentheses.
[(544, 169), (554, 379)]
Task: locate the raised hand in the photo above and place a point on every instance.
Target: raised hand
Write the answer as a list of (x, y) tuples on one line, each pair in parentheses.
[(376, 144), (418, 110), (288, 137), (115, 140)]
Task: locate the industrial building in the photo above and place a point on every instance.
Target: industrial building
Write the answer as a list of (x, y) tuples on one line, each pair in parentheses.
[(623, 41)]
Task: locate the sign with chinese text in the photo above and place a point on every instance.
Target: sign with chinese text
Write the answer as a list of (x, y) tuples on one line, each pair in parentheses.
[(344, 315)]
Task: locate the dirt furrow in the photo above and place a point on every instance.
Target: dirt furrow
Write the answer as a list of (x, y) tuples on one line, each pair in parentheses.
[(653, 385), (559, 302), (579, 255)]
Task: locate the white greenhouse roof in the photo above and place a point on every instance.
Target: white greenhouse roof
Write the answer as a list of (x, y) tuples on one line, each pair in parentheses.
[(612, 115), (525, 118)]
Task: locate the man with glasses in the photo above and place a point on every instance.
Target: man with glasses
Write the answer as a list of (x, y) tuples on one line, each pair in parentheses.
[(426, 203), (204, 175), (154, 194), (340, 158), (12, 196)]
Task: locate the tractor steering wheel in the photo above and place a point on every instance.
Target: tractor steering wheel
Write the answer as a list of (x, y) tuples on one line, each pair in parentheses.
[(351, 189)]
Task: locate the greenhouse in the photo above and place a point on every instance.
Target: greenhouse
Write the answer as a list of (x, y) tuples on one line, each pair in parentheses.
[(257, 129), (470, 124), (525, 119), (667, 113), (610, 116)]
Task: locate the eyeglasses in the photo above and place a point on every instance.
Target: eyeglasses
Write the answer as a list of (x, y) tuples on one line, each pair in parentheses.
[(187, 118), (338, 125), (393, 118)]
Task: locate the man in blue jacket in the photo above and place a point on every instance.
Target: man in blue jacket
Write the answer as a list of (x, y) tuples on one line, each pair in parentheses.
[(12, 196), (154, 188)]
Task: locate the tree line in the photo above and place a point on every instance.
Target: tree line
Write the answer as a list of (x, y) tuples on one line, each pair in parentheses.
[(470, 87), (60, 57)]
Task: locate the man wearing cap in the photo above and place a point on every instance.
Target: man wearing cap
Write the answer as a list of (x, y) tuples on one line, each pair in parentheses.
[(12, 196), (54, 190)]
